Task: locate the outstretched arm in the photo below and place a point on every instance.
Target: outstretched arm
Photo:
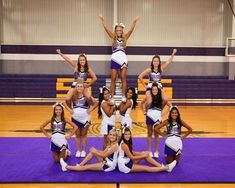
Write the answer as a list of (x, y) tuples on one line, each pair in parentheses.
[(108, 31), (128, 34), (66, 58), (170, 60)]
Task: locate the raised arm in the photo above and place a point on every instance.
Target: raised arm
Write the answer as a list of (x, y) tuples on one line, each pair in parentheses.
[(170, 60), (108, 31), (73, 130), (189, 130), (42, 128), (66, 58), (128, 34), (142, 75)]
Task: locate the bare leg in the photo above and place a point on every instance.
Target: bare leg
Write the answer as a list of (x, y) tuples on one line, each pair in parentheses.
[(114, 73), (144, 168), (152, 161), (170, 158), (63, 154), (149, 137), (156, 136), (56, 157), (177, 158), (123, 78), (77, 138), (69, 96), (95, 167), (87, 158), (84, 137)]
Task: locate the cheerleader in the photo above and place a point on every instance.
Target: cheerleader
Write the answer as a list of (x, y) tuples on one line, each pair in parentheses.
[(107, 111), (107, 158), (81, 71), (153, 111), (155, 73), (173, 135), (126, 107), (80, 111), (118, 58), (128, 159), (59, 144)]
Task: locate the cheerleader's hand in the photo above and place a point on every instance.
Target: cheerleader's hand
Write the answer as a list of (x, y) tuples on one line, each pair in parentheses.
[(67, 137), (58, 51), (86, 85), (71, 112), (101, 18), (88, 111), (49, 136), (174, 51)]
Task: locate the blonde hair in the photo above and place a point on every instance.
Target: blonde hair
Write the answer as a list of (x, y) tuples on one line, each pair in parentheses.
[(108, 142), (115, 37)]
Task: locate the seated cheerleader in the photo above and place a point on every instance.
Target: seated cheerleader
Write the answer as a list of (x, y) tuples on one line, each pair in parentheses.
[(173, 143), (126, 107), (128, 159), (59, 144), (107, 159)]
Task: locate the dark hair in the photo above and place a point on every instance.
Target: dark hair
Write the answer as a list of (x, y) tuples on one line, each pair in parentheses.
[(62, 115), (178, 119), (156, 99), (79, 65), (101, 98), (134, 96), (127, 142), (159, 65)]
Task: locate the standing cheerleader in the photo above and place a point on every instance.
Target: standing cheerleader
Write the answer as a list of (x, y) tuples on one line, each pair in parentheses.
[(173, 135), (81, 71), (118, 58), (81, 108), (128, 159), (107, 158), (126, 107), (155, 73), (107, 111), (59, 144), (153, 111)]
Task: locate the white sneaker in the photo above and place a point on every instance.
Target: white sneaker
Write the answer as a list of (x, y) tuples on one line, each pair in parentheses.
[(171, 166), (63, 164), (156, 154), (150, 154), (83, 154), (78, 154), (123, 99)]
